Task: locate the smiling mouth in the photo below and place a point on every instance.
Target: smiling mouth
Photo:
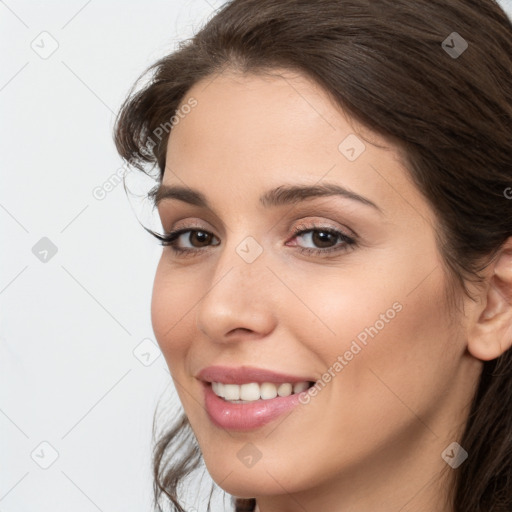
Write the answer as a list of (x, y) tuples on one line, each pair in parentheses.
[(254, 391)]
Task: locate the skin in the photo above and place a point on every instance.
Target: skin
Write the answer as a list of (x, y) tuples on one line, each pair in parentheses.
[(383, 421)]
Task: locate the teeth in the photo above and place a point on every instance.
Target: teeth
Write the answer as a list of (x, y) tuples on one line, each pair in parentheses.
[(300, 386), (267, 391), (253, 391), (231, 392), (285, 389), (249, 392)]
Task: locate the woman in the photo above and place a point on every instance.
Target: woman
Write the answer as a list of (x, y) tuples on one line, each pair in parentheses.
[(334, 298)]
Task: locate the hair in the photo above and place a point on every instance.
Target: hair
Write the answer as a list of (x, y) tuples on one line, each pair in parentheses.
[(384, 63)]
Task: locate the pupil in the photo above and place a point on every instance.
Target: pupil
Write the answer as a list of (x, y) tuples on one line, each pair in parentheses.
[(201, 236), (318, 240)]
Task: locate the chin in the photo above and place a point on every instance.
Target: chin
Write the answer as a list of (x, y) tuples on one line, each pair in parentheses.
[(247, 482)]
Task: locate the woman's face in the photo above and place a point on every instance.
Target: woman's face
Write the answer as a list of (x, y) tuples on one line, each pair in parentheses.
[(363, 312)]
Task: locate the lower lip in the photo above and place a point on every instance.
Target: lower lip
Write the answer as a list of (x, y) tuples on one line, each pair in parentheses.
[(246, 416)]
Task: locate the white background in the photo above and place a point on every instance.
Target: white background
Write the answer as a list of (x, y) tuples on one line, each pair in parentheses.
[(71, 326)]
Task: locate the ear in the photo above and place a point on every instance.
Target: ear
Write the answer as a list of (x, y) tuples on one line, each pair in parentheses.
[(490, 328)]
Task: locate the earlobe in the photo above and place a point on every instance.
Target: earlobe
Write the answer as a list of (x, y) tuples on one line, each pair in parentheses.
[(490, 334)]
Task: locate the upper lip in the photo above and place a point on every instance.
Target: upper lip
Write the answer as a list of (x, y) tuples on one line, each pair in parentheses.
[(246, 374)]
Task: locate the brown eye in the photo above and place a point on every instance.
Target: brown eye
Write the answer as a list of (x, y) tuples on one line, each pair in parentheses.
[(323, 238), (188, 240), (202, 237)]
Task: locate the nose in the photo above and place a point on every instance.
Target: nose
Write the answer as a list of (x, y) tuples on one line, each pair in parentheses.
[(240, 299)]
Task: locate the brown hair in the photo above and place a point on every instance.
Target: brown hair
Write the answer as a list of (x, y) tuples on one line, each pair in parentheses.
[(386, 64)]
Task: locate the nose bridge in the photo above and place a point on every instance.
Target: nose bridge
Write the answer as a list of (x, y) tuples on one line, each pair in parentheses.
[(242, 261), (239, 295), (241, 269)]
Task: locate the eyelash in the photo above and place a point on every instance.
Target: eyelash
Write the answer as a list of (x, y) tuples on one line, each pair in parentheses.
[(169, 239)]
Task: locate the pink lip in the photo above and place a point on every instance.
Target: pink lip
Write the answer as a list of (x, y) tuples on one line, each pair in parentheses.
[(248, 416), (245, 375), (251, 415)]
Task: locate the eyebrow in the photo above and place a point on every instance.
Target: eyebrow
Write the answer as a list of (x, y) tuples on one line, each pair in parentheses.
[(282, 195)]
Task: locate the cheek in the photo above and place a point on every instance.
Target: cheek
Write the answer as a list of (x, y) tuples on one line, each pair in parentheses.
[(172, 311), (380, 334), (395, 356)]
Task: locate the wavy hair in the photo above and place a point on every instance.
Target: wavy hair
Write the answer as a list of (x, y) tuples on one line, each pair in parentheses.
[(393, 66)]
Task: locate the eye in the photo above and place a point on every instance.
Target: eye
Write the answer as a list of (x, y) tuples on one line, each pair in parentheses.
[(326, 239), (197, 238)]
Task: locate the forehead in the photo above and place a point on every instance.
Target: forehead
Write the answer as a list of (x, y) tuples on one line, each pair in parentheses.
[(264, 130), (255, 108)]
